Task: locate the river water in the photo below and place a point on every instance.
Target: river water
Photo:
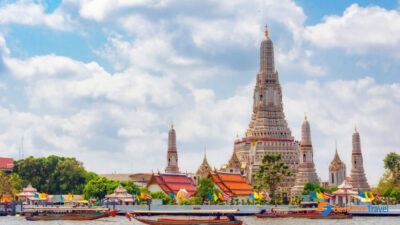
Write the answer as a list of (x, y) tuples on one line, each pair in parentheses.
[(251, 220)]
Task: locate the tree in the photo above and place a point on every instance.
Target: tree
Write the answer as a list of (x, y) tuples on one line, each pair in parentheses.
[(99, 187), (53, 174), (10, 184), (205, 186), (161, 195), (392, 163), (270, 174)]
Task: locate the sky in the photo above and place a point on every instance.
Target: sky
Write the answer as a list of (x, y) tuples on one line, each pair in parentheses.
[(102, 80)]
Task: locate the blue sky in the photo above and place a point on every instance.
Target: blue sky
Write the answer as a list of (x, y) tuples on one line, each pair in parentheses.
[(102, 80)]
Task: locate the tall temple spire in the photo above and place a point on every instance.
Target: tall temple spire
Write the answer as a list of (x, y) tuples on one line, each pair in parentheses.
[(267, 54), (357, 176), (172, 154), (306, 172), (268, 131)]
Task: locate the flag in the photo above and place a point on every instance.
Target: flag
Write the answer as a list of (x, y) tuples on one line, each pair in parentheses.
[(69, 197), (313, 195), (256, 195), (366, 196), (147, 196), (220, 196), (266, 196), (210, 196), (171, 194), (371, 196), (226, 197), (251, 196), (362, 195), (142, 196), (377, 197), (61, 198), (329, 196), (323, 196), (215, 197)]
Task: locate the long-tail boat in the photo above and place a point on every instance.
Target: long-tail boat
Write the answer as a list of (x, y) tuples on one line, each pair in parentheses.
[(41, 214), (229, 220), (301, 213)]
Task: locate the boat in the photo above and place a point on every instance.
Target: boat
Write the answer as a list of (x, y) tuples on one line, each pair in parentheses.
[(229, 220), (301, 213), (48, 214)]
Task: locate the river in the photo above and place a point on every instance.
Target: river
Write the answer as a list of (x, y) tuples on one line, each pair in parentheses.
[(251, 220)]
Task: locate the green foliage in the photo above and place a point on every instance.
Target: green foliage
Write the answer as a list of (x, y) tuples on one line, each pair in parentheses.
[(392, 163), (271, 173), (10, 184), (204, 187), (185, 202), (99, 187), (311, 187), (53, 174), (197, 200), (166, 200)]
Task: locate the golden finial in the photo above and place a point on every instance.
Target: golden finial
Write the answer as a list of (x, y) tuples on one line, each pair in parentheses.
[(172, 125), (305, 116), (237, 136), (266, 31), (355, 128)]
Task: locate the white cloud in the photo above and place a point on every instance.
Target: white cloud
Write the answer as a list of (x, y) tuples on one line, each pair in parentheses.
[(100, 9), (359, 29), (31, 13)]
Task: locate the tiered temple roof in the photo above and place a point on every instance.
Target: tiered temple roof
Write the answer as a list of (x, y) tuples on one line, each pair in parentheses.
[(173, 183), (231, 184)]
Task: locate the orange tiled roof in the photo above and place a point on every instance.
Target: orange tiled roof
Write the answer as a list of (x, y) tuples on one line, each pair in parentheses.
[(231, 184), (174, 182), (6, 163)]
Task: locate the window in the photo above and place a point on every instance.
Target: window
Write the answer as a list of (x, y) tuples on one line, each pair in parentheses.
[(333, 178)]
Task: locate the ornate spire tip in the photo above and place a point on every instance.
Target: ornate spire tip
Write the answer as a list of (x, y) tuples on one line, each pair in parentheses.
[(266, 31)]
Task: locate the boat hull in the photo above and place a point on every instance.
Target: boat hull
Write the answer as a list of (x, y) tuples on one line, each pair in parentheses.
[(188, 222), (304, 215), (77, 217)]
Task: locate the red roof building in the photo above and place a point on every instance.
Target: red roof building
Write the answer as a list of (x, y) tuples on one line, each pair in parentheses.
[(232, 184), (6, 164), (171, 183)]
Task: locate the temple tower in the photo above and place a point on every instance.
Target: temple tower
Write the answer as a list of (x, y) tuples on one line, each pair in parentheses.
[(337, 171), (306, 172), (172, 154), (357, 175), (204, 169), (268, 131)]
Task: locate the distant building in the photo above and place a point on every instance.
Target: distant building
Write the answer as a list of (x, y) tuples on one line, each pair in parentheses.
[(122, 195), (6, 164), (171, 183)]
